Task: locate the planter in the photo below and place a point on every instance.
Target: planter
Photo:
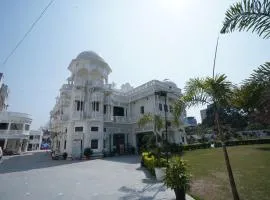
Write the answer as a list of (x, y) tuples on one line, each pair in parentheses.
[(180, 194), (160, 173)]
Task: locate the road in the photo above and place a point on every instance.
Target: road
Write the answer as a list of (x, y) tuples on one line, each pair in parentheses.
[(35, 176)]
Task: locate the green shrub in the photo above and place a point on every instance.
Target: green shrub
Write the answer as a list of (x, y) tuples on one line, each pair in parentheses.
[(149, 161)]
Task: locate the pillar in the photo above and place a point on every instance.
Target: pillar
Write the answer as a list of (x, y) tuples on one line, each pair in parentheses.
[(70, 131), (5, 144)]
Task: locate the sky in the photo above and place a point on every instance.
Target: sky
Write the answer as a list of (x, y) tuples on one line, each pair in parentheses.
[(141, 40)]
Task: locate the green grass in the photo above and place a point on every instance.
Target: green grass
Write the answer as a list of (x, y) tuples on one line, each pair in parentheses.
[(250, 165)]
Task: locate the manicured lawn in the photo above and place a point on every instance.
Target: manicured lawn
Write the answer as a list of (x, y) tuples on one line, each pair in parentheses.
[(251, 168)]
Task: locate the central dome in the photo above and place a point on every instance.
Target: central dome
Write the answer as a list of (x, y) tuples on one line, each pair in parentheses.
[(90, 55)]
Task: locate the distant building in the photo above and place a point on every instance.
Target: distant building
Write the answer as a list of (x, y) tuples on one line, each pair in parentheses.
[(35, 138), (203, 114), (14, 126), (91, 112), (3, 94), (190, 121)]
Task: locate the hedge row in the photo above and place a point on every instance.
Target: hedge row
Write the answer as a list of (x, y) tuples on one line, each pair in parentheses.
[(174, 148), (149, 161)]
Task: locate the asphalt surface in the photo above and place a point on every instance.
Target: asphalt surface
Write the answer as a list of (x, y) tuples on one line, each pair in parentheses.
[(35, 176)]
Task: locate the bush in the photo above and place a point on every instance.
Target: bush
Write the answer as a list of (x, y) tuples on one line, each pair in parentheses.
[(87, 152), (149, 161)]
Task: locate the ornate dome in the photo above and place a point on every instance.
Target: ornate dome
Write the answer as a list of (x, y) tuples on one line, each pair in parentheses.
[(90, 55)]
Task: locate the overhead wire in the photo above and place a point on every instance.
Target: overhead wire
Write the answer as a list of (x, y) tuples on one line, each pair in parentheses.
[(28, 32)]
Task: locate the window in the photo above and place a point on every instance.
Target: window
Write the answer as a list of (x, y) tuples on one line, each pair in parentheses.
[(26, 127), (169, 124), (118, 111), (3, 126), (15, 126), (36, 137), (95, 106), (171, 108), (79, 105), (104, 144), (104, 109), (66, 130), (142, 109), (31, 137), (104, 129), (165, 108), (94, 144), (79, 129), (94, 128), (160, 107), (65, 144)]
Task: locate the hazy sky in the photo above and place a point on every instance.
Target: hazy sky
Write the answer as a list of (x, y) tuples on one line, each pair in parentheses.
[(141, 40)]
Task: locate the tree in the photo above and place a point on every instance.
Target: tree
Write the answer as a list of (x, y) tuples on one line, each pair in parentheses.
[(248, 15), (255, 16), (215, 91), (234, 117)]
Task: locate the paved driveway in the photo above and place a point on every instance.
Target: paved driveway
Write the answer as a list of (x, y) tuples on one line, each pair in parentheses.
[(36, 176)]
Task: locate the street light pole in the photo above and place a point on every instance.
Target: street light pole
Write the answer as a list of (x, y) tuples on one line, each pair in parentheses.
[(164, 94)]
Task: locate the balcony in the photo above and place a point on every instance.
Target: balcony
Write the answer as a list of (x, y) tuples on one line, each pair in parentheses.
[(14, 132)]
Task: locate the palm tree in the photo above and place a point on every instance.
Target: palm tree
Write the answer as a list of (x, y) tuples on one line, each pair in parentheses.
[(157, 124), (216, 91), (248, 15)]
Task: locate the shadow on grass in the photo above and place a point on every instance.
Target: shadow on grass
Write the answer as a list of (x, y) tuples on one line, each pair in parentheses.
[(263, 148), (35, 160)]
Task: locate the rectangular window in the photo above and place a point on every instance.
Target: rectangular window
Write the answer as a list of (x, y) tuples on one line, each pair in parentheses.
[(171, 108), (37, 137), (104, 144), (104, 109), (79, 105), (165, 108), (142, 109), (169, 123), (94, 128), (79, 129), (65, 144), (160, 106), (31, 137), (26, 127), (95, 106), (3, 126), (15, 126), (94, 144), (104, 129), (118, 111)]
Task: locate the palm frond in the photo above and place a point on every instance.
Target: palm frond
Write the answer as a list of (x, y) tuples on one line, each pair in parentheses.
[(145, 119), (248, 15), (261, 75)]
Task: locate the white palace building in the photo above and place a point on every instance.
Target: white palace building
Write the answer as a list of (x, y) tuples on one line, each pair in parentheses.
[(90, 112)]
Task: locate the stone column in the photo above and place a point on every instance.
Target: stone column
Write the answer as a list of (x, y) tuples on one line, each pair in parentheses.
[(70, 131), (5, 144)]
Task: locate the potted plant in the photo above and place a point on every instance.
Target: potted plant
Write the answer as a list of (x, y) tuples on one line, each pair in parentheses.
[(177, 177), (160, 165), (87, 152)]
